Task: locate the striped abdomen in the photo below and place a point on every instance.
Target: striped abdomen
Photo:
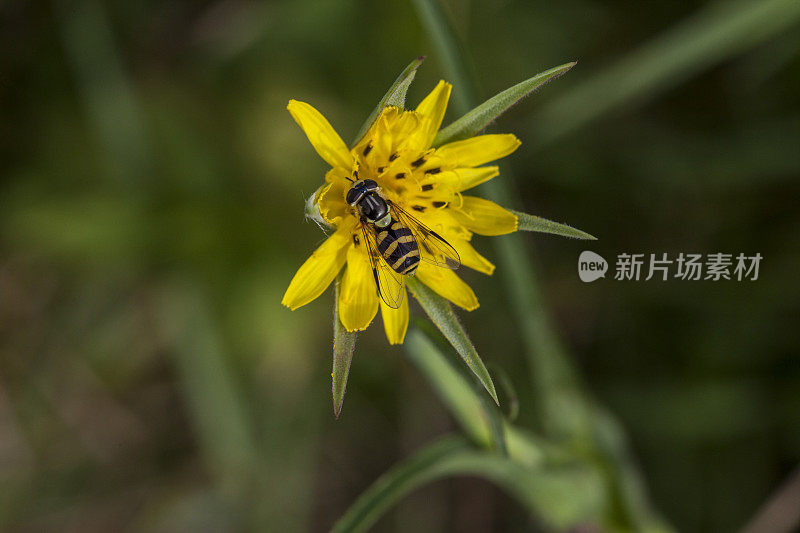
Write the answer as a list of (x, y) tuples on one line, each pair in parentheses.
[(397, 246)]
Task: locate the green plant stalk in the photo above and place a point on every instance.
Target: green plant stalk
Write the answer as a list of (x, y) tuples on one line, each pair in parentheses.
[(566, 412), (571, 494), (453, 390), (717, 32), (554, 377), (219, 413)]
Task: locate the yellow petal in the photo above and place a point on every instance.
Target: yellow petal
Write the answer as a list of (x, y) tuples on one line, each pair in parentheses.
[(471, 177), (321, 134), (330, 200), (445, 283), (406, 129), (471, 258), (395, 321), (479, 150), (484, 217), (319, 270), (432, 108), (358, 299)]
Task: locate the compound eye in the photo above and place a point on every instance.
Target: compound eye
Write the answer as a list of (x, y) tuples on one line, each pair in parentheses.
[(352, 194), (370, 185)]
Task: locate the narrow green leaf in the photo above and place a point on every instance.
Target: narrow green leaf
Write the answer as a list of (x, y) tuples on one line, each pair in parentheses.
[(441, 313), (217, 407), (561, 497), (712, 35), (452, 388), (542, 225), (508, 392), (476, 120), (395, 96), (552, 371), (440, 31), (344, 343), (426, 465)]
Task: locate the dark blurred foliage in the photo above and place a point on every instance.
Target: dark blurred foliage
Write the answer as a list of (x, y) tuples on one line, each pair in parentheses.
[(151, 211)]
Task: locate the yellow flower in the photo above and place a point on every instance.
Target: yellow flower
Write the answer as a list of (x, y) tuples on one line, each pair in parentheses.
[(427, 182)]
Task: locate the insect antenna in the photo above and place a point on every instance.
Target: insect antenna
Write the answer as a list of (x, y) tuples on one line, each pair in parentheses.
[(355, 173)]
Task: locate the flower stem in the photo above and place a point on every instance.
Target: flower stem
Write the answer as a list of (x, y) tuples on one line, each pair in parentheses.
[(555, 379)]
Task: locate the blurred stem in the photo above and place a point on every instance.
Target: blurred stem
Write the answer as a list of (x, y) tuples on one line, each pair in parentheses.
[(478, 417), (554, 377), (218, 410), (566, 412), (104, 88), (454, 391), (440, 31), (717, 32)]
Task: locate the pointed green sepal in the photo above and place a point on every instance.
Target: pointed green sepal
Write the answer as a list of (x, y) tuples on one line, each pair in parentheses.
[(344, 343), (395, 96), (441, 314), (542, 225), (476, 120)]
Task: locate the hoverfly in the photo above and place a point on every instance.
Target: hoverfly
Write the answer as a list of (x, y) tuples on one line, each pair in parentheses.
[(396, 241)]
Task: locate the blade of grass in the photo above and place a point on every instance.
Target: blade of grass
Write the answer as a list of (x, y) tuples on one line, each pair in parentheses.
[(426, 465), (717, 32), (221, 418), (560, 399), (507, 392), (344, 343), (454, 391), (395, 96), (480, 117), (565, 409), (562, 497), (440, 31), (442, 315), (542, 225), (104, 89)]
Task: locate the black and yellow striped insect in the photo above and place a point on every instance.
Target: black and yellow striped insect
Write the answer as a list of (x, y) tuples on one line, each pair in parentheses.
[(396, 241)]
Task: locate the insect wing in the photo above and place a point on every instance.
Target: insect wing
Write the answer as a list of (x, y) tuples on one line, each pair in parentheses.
[(432, 246), (389, 283)]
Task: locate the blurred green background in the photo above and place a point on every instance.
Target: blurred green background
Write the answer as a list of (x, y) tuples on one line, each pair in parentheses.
[(151, 218)]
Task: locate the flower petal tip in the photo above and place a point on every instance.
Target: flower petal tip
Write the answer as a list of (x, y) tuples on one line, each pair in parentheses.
[(354, 329)]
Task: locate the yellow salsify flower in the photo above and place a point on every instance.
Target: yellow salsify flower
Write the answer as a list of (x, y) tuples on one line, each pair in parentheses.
[(427, 182)]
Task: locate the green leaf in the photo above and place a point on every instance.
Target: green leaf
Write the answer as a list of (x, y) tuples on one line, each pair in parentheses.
[(395, 96), (426, 465), (476, 120), (711, 35), (459, 397), (542, 225), (553, 373), (441, 313), (508, 392), (344, 343), (217, 407), (561, 497)]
